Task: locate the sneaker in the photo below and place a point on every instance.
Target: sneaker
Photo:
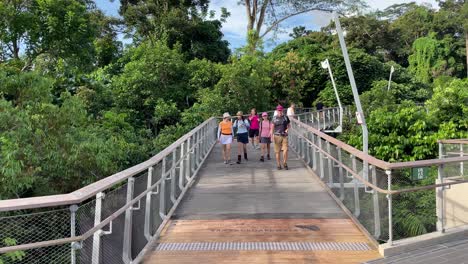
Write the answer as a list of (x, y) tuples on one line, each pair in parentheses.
[(286, 166), (262, 159), (225, 162), (279, 168)]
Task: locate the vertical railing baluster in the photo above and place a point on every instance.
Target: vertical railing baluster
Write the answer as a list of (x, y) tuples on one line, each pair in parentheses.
[(128, 226), (330, 168), (440, 200), (149, 183), (390, 212), (95, 257), (321, 157), (357, 209), (375, 196), (73, 246), (342, 193), (182, 166), (162, 191), (173, 177), (188, 170), (314, 153)]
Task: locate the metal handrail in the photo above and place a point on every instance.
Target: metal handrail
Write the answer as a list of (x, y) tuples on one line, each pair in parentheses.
[(377, 162), (91, 190), (411, 165)]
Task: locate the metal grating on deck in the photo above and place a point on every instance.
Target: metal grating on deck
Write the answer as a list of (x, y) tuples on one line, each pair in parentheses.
[(251, 246)]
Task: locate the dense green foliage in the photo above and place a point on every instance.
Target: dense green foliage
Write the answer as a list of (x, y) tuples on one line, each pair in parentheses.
[(77, 106)]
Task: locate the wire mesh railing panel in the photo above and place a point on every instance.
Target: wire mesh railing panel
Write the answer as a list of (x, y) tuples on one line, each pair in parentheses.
[(35, 227), (46, 255), (32, 228)]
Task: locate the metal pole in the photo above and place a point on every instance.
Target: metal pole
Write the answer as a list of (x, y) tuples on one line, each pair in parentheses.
[(128, 226), (357, 101), (162, 191), (330, 169), (341, 174), (73, 210), (173, 178), (357, 207), (462, 170), (375, 196), (97, 234), (182, 167), (148, 204), (440, 200), (392, 69), (321, 158), (336, 91), (390, 213)]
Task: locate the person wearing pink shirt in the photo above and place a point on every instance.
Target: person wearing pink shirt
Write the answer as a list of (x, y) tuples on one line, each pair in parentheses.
[(254, 128), (265, 136)]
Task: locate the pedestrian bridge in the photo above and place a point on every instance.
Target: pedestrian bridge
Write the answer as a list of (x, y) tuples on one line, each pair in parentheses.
[(184, 205)]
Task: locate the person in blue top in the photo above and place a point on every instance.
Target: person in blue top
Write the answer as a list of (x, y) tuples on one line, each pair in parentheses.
[(242, 125)]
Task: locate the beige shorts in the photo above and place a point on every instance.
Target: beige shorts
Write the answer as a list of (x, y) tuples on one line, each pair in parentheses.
[(281, 143)]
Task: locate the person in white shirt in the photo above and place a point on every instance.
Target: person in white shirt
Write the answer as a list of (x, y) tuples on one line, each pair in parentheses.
[(291, 111)]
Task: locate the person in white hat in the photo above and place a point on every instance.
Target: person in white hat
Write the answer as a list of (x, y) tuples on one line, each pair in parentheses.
[(225, 134)]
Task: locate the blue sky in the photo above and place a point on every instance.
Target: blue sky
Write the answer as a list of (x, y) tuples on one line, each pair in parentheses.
[(235, 28)]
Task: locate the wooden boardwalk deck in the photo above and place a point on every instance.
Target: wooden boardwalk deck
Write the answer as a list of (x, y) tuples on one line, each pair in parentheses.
[(253, 213)]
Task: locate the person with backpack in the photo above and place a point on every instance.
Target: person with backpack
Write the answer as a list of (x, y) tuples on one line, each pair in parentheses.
[(265, 136), (279, 132), (225, 134), (242, 125), (253, 131)]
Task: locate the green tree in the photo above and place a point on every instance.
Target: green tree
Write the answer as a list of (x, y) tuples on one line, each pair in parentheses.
[(154, 72), (265, 16)]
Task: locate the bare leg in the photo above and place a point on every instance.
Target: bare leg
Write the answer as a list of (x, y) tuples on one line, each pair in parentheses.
[(268, 149), (228, 152), (278, 159), (263, 149), (239, 148), (285, 156), (224, 152)]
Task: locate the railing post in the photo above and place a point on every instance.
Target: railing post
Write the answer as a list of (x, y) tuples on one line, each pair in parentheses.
[(330, 168), (173, 177), (375, 196), (321, 157), (308, 147), (182, 166), (73, 210), (188, 164), (357, 207), (338, 149), (390, 212), (318, 119), (462, 171), (128, 226), (162, 191), (97, 234), (314, 154), (440, 200), (148, 204)]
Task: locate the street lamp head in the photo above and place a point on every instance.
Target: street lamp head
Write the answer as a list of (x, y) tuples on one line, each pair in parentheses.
[(325, 64)]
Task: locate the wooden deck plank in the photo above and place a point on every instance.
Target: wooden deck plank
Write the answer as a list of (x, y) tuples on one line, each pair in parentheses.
[(254, 202)]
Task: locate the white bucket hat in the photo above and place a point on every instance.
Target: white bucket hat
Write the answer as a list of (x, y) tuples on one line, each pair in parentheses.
[(226, 115)]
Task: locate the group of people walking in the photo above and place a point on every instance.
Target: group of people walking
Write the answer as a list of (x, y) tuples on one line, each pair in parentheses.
[(261, 131)]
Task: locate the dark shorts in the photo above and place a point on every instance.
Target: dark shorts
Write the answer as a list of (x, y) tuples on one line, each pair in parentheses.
[(265, 140), (243, 138), (253, 133)]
